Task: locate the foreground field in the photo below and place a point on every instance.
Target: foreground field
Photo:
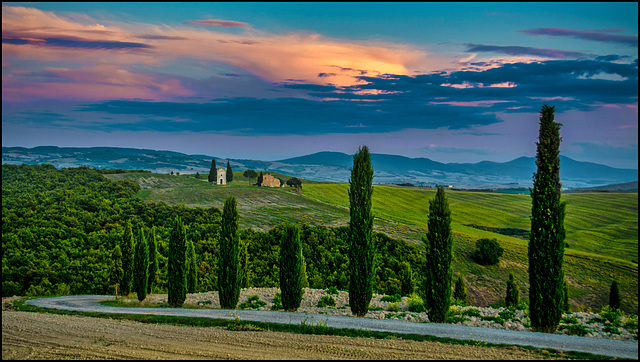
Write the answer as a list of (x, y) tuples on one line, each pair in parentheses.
[(49, 336)]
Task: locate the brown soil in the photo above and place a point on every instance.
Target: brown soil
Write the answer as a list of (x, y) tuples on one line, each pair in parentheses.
[(49, 336)]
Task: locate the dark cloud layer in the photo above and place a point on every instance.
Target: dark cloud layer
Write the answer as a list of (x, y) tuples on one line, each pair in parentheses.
[(628, 40), (73, 42), (520, 50), (388, 103)]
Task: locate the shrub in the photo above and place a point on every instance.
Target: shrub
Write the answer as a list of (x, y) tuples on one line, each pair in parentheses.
[(415, 303), (253, 302), (391, 298), (494, 319), (472, 312), (460, 290), (575, 329), (513, 292), (614, 296), (454, 319), (277, 302), (394, 307), (332, 290), (326, 301), (488, 251)]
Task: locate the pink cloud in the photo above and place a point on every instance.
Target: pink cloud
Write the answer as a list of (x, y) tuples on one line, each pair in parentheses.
[(222, 23)]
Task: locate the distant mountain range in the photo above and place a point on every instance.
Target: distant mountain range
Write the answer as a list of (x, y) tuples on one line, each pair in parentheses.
[(330, 167)]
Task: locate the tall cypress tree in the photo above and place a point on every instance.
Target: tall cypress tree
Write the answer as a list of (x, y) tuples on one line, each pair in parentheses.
[(141, 267), (291, 268), (127, 260), (546, 243), (176, 275), (213, 172), (153, 260), (439, 246), (260, 179), (192, 272), (116, 267), (229, 271), (361, 242), (229, 172)]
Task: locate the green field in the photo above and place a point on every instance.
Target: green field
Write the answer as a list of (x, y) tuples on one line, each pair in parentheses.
[(602, 228)]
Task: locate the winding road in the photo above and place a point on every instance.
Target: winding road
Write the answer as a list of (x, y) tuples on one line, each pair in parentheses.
[(607, 347)]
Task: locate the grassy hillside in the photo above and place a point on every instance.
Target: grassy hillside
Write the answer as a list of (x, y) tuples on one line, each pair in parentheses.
[(605, 224), (601, 227)]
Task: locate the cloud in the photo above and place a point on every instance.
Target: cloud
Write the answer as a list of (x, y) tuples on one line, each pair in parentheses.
[(520, 50), (74, 42), (628, 40), (222, 23)]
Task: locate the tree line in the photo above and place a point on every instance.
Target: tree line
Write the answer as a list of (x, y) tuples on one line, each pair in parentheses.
[(358, 257)]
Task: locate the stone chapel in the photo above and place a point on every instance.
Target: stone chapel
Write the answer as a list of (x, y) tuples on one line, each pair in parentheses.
[(221, 179)]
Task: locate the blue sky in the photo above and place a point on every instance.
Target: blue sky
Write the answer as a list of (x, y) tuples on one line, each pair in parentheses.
[(454, 82)]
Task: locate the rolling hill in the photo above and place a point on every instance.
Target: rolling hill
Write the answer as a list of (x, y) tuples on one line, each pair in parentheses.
[(330, 167)]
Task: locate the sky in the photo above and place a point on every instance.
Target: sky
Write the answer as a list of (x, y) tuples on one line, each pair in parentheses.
[(453, 82)]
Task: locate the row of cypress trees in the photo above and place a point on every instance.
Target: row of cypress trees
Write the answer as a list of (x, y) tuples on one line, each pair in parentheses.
[(546, 245), (134, 267)]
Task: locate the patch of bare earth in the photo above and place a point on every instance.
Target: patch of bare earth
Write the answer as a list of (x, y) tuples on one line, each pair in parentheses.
[(50, 336)]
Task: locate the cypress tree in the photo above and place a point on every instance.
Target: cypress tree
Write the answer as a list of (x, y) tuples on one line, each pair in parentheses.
[(116, 267), (229, 272), (127, 260), (229, 173), (460, 290), (361, 242), (141, 267), (513, 292), (213, 172), (153, 260), (176, 269), (192, 272), (260, 179), (439, 244), (291, 268), (546, 243), (614, 296)]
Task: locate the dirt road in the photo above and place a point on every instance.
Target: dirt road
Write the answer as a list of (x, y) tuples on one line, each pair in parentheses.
[(48, 336)]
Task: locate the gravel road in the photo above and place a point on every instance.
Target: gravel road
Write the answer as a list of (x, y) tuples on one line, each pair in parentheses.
[(615, 348)]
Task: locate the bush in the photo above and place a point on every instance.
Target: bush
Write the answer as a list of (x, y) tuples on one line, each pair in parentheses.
[(454, 319), (488, 251), (472, 312), (460, 290), (277, 302), (614, 296), (326, 301), (391, 298), (513, 292), (575, 329), (415, 303), (332, 290), (394, 307), (253, 302)]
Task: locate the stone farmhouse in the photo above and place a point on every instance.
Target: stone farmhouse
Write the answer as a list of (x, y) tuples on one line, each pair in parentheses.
[(270, 181), (222, 176)]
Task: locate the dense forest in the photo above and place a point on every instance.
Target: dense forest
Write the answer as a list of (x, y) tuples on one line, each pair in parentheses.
[(59, 228)]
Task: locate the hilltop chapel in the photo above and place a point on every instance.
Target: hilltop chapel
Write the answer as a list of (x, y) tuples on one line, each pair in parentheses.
[(222, 176)]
